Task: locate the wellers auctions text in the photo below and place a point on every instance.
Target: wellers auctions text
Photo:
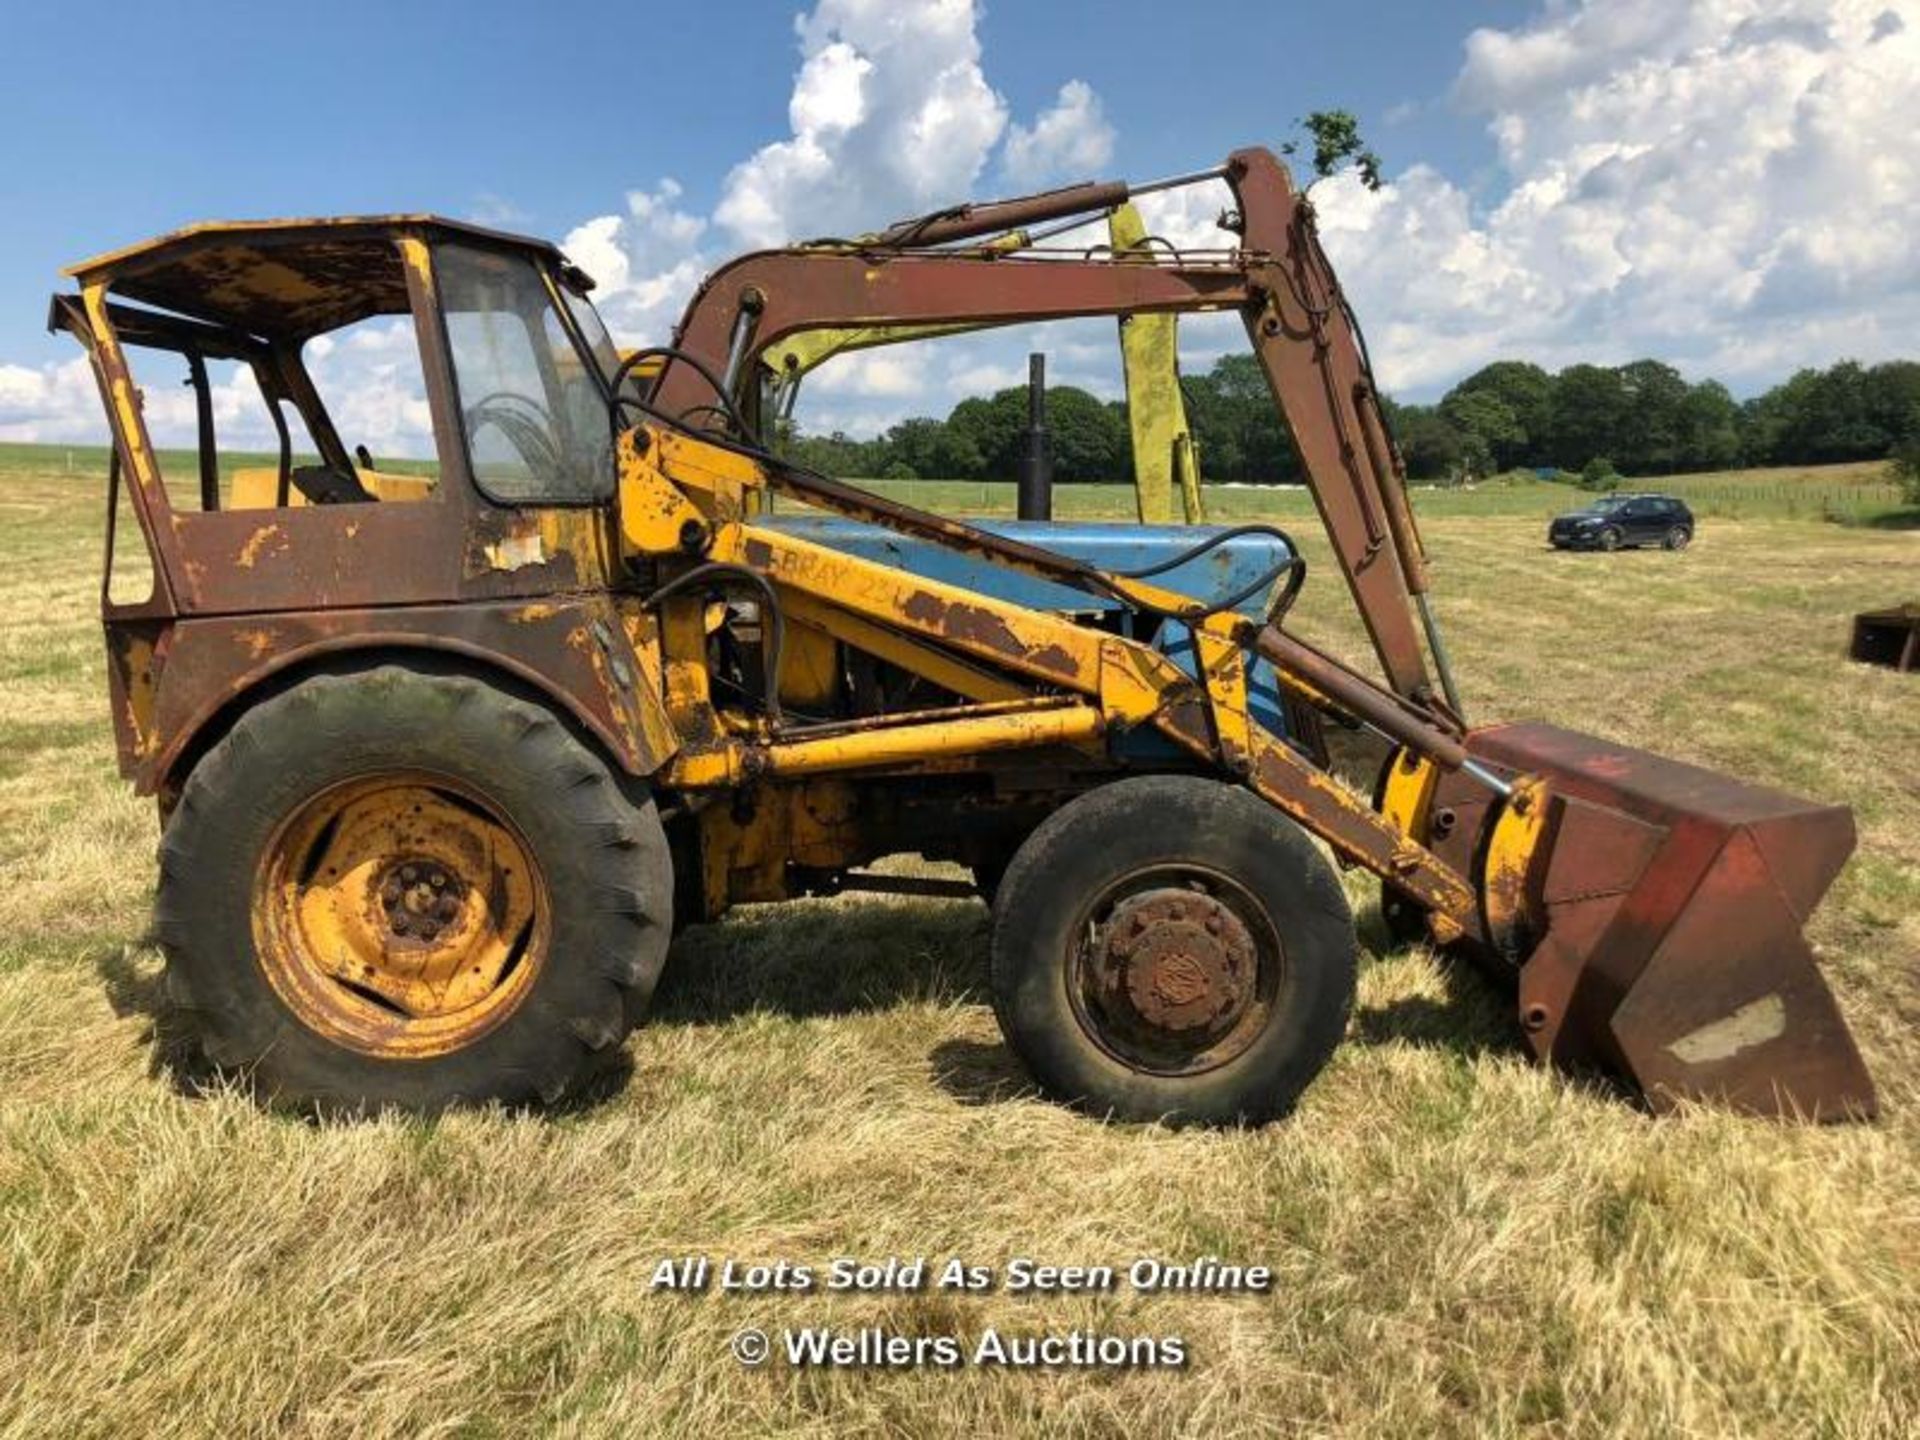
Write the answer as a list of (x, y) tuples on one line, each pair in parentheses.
[(700, 1274), (874, 1348)]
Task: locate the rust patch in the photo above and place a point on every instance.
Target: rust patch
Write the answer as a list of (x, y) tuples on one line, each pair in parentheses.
[(983, 627), (257, 643), (257, 543)]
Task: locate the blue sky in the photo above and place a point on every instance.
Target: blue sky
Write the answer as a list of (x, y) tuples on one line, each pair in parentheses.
[(1573, 179)]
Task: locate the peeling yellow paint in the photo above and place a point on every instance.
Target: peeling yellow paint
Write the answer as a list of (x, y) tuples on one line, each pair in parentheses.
[(256, 543), (516, 552)]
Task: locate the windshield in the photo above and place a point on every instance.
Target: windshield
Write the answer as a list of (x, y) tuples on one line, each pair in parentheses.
[(534, 415), (1608, 502), (593, 330)]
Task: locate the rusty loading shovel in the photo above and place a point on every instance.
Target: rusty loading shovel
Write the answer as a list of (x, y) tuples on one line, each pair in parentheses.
[(1657, 925)]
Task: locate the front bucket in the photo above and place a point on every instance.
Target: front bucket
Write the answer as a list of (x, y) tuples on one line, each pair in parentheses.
[(1660, 928)]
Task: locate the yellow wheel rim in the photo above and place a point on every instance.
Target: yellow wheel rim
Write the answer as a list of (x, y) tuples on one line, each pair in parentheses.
[(400, 915)]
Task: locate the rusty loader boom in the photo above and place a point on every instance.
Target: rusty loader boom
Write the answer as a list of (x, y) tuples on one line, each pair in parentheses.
[(444, 756)]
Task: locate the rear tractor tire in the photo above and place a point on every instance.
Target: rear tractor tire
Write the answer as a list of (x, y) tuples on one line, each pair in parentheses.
[(1172, 948), (410, 889)]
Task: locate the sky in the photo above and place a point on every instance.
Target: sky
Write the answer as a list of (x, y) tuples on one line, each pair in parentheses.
[(1732, 186)]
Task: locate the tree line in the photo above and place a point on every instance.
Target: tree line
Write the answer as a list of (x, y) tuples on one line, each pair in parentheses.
[(1642, 418)]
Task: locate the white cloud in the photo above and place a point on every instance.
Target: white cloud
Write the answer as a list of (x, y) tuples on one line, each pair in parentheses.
[(49, 402), (1072, 140), (646, 261), (1730, 185), (891, 114)]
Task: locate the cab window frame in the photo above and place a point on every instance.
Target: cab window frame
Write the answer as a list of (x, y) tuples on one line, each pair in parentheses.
[(542, 269)]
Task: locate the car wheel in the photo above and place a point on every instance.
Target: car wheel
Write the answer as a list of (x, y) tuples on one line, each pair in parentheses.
[(1609, 539), (1677, 538)]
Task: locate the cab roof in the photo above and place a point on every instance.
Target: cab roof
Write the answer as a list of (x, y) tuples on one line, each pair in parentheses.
[(283, 279)]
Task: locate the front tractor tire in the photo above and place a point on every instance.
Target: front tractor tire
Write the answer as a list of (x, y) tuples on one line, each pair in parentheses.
[(406, 888), (1172, 948)]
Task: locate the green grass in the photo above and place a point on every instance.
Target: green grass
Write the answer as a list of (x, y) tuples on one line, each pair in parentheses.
[(1857, 493), (1465, 1243)]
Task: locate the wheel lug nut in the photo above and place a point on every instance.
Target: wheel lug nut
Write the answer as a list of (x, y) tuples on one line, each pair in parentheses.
[(1214, 926), (391, 892), (437, 880), (409, 874), (401, 925)]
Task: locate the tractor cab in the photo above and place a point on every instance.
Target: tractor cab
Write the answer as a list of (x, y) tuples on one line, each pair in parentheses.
[(259, 379), (238, 339)]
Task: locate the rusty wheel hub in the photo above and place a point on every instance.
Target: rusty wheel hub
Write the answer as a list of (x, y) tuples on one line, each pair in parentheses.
[(1174, 970), (400, 916), (420, 898)]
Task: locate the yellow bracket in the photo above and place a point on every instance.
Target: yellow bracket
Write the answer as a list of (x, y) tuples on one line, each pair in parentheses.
[(1511, 848), (1163, 456), (1406, 796)]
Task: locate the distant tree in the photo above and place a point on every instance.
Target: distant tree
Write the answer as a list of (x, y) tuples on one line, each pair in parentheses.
[(1905, 466), (1490, 433), (1336, 141), (1599, 474), (1431, 447), (993, 428), (1709, 428), (1590, 411), (1650, 439), (1828, 417), (1643, 415), (1527, 392), (933, 449), (1089, 444), (838, 454), (1893, 399)]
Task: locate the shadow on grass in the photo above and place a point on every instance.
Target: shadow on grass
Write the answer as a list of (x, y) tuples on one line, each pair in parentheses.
[(1472, 1015), (1907, 519), (138, 986), (977, 1072), (135, 984), (819, 958)]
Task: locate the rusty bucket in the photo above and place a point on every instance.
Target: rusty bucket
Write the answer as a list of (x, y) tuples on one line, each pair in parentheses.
[(1656, 927)]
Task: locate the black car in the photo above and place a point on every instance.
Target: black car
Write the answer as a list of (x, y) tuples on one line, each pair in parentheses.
[(1615, 521)]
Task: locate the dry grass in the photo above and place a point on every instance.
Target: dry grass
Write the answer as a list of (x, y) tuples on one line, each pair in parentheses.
[(1463, 1242)]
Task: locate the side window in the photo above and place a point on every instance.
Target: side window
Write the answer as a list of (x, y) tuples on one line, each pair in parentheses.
[(535, 421), (214, 431)]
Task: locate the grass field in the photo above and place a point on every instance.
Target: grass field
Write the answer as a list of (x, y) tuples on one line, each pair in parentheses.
[(1463, 1242), (1856, 493)]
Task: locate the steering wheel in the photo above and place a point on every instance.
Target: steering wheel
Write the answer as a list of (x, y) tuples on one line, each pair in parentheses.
[(526, 424)]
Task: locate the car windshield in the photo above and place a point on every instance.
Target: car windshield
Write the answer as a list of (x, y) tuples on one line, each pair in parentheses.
[(1608, 502)]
